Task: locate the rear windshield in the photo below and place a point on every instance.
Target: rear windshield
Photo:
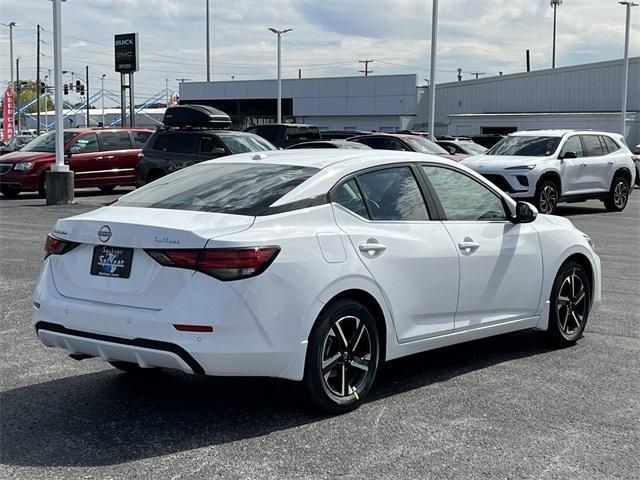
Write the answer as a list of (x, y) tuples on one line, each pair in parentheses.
[(423, 145), (236, 188), (526, 146), (242, 143)]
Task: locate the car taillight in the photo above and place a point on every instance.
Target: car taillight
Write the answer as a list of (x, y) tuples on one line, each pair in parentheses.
[(223, 263), (57, 246), (140, 155)]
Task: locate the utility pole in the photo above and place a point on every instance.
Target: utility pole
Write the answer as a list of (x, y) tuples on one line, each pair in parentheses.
[(477, 74), (102, 90), (18, 93), (10, 25), (625, 81), (38, 81), (279, 107), (366, 70), (87, 92), (166, 90), (459, 74), (554, 4), (432, 78), (528, 60), (208, 52)]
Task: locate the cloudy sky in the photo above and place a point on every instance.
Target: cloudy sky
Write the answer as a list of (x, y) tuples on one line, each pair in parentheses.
[(328, 37)]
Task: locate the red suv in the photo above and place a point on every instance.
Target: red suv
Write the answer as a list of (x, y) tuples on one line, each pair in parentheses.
[(103, 158)]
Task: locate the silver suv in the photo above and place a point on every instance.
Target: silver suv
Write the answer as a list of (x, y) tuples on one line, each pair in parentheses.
[(552, 166)]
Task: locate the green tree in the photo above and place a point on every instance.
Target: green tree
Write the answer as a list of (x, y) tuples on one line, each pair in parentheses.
[(28, 93)]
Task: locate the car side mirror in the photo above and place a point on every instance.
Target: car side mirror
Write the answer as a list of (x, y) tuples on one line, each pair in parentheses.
[(218, 151), (525, 213), (451, 150), (566, 155), (68, 152)]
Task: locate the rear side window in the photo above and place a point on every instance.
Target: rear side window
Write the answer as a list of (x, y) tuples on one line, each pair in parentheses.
[(592, 146), (235, 188), (611, 145), (265, 131), (140, 138), (115, 140), (348, 195), (393, 194), (303, 133), (177, 142)]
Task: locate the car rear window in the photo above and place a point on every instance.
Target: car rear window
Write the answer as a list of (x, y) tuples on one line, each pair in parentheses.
[(115, 141), (140, 138), (178, 142), (235, 188)]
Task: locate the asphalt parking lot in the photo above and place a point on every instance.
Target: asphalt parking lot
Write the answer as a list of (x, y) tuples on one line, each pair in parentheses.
[(506, 407)]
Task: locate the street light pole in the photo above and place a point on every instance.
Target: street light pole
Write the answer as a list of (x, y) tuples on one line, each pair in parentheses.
[(102, 90), (279, 107), (555, 4), (432, 80), (10, 25), (625, 81), (208, 52)]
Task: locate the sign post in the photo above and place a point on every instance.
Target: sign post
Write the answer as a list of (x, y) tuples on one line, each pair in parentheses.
[(126, 63)]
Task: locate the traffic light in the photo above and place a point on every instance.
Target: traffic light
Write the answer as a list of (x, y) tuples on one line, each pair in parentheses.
[(43, 88), (81, 89), (77, 85), (65, 89)]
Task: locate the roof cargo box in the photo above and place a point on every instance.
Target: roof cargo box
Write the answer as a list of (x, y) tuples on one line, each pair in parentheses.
[(195, 116)]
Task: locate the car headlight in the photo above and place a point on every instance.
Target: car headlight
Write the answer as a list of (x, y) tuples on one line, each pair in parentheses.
[(588, 239), (522, 167), (23, 166)]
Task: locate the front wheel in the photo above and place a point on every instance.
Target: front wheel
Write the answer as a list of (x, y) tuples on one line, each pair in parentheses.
[(570, 303), (107, 189), (342, 357), (618, 195), (547, 197)]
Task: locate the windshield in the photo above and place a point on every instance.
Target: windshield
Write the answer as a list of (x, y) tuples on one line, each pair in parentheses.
[(526, 146), (473, 148), (236, 188), (46, 142), (245, 143), (423, 145)]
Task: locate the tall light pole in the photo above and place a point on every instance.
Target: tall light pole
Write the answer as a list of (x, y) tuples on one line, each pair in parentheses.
[(279, 34), (432, 83), (46, 102), (208, 52), (625, 81), (59, 181), (10, 25), (102, 89), (554, 4)]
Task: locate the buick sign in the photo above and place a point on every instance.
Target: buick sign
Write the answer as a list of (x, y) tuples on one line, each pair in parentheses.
[(126, 52), (104, 234)]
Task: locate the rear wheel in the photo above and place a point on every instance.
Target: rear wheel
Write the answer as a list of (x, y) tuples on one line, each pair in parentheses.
[(342, 357), (154, 175), (618, 195), (9, 192), (547, 197), (570, 304), (42, 186), (107, 189)]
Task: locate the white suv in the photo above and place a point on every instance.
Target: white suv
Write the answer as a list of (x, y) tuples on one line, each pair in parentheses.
[(552, 166)]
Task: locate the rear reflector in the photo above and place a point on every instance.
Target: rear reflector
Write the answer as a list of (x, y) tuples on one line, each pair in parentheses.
[(194, 328), (224, 263), (56, 246)]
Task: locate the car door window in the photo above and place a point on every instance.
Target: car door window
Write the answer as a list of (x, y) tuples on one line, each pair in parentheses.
[(184, 143), (393, 194), (207, 144), (115, 141), (395, 145), (573, 144), (140, 138), (463, 198), (348, 195), (592, 146), (87, 143)]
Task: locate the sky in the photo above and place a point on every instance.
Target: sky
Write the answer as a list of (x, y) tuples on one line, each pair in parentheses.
[(328, 37)]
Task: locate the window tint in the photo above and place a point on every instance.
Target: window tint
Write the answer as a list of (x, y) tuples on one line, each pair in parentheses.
[(373, 142), (140, 138), (348, 195), (393, 194), (207, 144), (265, 131), (612, 146), (573, 144), (236, 188), (463, 198), (115, 141), (185, 143), (592, 146), (86, 143)]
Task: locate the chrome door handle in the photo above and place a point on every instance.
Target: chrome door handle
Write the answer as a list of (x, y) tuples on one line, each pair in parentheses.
[(371, 247), (468, 245), (609, 163), (97, 158), (583, 164), (109, 157)]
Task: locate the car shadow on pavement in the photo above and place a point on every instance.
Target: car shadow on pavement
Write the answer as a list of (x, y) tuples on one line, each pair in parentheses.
[(570, 210), (108, 417)]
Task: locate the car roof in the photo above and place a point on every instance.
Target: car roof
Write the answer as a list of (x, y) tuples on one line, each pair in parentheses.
[(557, 133)]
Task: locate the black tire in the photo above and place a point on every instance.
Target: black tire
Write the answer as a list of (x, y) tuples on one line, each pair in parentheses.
[(547, 197), (42, 186), (570, 303), (10, 192), (618, 195), (344, 339), (154, 175), (107, 189), (131, 367)]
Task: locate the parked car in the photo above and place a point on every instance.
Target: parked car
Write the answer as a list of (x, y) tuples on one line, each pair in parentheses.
[(487, 140), (553, 166), (462, 147), (283, 135), (103, 158), (329, 144), (636, 158), (16, 143), (193, 134), (404, 142), (311, 266), (341, 134)]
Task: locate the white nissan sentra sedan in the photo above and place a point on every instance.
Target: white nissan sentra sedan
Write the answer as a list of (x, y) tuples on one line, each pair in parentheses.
[(315, 266)]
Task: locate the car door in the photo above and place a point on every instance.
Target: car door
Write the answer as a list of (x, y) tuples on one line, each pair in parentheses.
[(572, 169), (119, 159), (500, 262), (595, 164), (84, 159), (410, 256)]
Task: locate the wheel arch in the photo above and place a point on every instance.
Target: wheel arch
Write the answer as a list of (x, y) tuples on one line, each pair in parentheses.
[(582, 260), (550, 175), (623, 172)]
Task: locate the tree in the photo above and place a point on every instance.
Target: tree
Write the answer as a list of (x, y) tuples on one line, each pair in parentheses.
[(27, 95)]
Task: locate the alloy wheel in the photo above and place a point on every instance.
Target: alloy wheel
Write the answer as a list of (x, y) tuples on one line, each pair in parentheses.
[(620, 194), (346, 353), (572, 304), (548, 199)]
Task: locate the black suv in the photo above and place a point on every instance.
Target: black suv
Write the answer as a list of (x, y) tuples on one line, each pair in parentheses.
[(191, 135), (283, 135)]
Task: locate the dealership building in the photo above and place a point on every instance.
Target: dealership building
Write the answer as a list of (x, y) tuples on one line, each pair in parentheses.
[(587, 96)]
